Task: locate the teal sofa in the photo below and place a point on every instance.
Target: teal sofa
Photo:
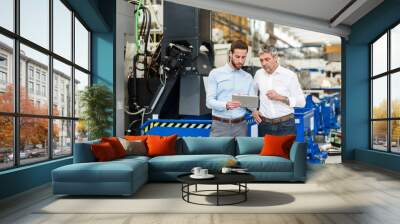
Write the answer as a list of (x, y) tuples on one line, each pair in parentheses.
[(125, 176)]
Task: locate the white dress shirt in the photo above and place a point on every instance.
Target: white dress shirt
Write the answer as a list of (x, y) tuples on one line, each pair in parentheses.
[(285, 83)]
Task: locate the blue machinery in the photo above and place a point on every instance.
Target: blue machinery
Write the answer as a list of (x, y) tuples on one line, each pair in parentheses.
[(183, 128), (325, 113), (313, 119)]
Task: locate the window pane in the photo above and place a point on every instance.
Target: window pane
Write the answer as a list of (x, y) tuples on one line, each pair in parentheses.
[(379, 135), (395, 136), (62, 138), (34, 96), (81, 131), (7, 14), (6, 74), (33, 139), (81, 45), (62, 29), (395, 94), (6, 142), (395, 47), (62, 89), (35, 21), (81, 81), (379, 55), (379, 97)]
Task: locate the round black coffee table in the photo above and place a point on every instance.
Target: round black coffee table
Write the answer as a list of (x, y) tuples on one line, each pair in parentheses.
[(238, 179)]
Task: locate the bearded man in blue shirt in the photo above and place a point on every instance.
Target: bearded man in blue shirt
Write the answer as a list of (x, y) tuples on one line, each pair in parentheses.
[(228, 117)]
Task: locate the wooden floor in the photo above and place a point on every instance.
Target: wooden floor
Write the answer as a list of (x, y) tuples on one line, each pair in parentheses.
[(378, 189)]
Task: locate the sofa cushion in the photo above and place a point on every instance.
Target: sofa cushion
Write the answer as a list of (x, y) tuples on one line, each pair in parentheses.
[(249, 145), (112, 171), (133, 157), (208, 145), (185, 163), (257, 163), (93, 172)]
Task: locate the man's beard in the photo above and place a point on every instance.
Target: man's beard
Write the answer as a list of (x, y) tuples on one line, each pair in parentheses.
[(236, 65)]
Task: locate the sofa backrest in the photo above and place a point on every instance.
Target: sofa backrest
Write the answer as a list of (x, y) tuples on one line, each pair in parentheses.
[(206, 145), (83, 152), (249, 145), (190, 146)]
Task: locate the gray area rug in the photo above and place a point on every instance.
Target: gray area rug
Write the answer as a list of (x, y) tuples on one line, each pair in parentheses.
[(166, 198)]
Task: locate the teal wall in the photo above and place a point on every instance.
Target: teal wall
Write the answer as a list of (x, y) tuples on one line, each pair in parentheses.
[(379, 159), (356, 103), (102, 64), (356, 85), (99, 16), (103, 60), (24, 178)]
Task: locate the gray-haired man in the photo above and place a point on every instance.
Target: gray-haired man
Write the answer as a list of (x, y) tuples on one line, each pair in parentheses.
[(279, 92)]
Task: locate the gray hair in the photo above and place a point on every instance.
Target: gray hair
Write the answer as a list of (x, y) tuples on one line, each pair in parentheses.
[(269, 50)]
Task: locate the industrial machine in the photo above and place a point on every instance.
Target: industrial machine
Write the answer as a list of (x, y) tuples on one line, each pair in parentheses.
[(168, 83)]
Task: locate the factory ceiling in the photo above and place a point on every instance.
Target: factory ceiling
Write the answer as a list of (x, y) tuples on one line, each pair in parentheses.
[(326, 16)]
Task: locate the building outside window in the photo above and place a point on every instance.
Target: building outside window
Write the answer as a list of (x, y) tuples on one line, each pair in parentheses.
[(43, 77), (30, 72), (3, 78), (55, 97), (38, 89), (30, 87), (3, 71), (37, 75), (3, 61), (43, 90)]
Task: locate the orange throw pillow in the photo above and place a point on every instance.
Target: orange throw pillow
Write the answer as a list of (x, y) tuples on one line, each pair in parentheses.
[(103, 152), (277, 145), (161, 145), (116, 145)]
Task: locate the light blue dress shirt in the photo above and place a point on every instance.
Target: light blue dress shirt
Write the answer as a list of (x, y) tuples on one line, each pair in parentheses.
[(223, 82)]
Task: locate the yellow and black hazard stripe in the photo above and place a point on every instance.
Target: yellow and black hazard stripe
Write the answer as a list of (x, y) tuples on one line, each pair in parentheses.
[(175, 125)]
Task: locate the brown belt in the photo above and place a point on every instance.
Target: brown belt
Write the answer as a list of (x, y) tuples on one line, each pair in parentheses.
[(277, 120), (229, 121)]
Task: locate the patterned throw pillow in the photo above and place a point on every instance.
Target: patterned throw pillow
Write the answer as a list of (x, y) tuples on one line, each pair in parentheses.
[(134, 147)]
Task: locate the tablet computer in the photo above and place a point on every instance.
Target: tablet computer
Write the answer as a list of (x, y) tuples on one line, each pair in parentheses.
[(250, 102)]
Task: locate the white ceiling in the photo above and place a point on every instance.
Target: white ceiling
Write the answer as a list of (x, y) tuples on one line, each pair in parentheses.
[(320, 9), (311, 37), (314, 15)]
